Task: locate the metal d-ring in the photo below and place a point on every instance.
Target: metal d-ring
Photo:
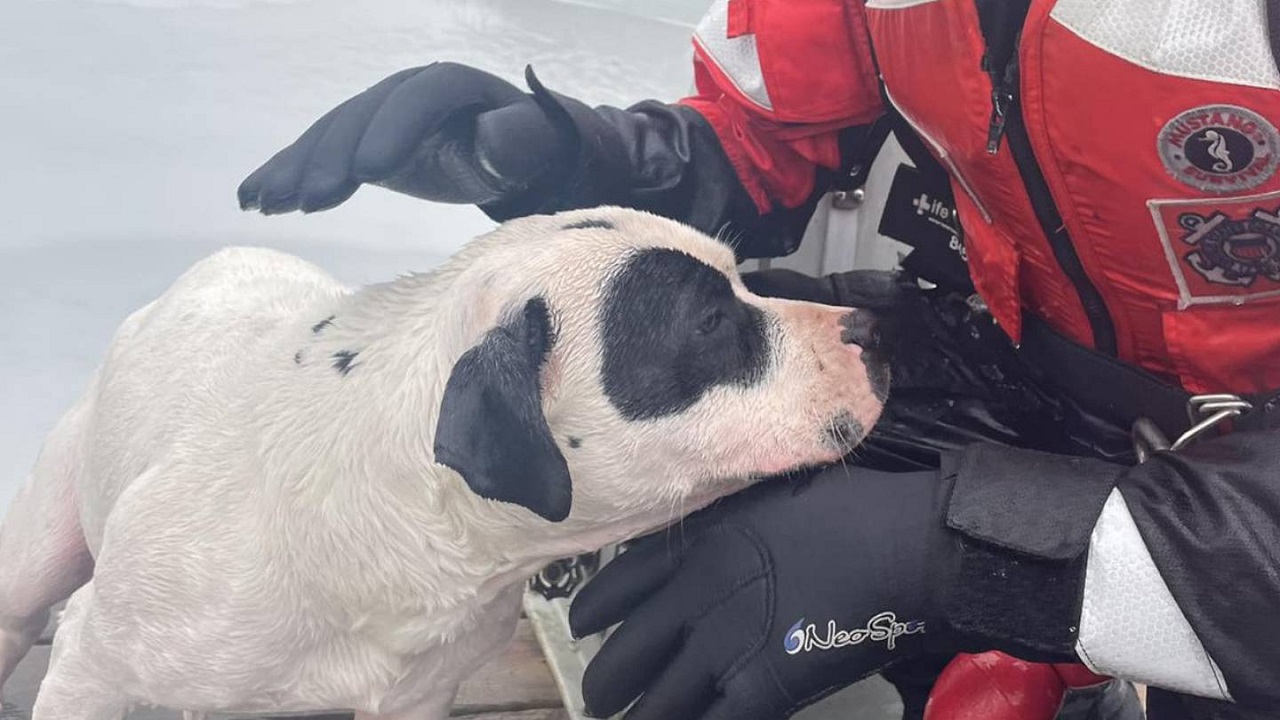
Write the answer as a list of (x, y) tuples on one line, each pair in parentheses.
[(1204, 412), (1217, 408)]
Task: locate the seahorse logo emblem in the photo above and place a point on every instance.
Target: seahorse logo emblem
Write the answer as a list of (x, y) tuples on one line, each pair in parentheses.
[(1220, 148)]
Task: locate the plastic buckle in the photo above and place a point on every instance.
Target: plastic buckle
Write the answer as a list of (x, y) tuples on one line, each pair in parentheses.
[(1204, 412)]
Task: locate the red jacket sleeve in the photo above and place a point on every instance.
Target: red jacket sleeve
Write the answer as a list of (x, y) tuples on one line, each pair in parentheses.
[(778, 80)]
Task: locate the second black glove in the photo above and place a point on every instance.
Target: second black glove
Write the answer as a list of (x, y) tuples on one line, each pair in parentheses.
[(765, 602)]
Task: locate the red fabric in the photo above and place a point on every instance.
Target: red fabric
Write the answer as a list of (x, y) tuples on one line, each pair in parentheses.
[(814, 57), (775, 172), (776, 152), (1102, 163), (1093, 120), (1075, 675), (931, 58), (739, 18), (995, 686), (1206, 357)]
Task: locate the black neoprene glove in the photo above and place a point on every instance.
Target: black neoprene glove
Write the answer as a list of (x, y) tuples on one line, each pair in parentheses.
[(445, 132), (874, 289), (772, 598)]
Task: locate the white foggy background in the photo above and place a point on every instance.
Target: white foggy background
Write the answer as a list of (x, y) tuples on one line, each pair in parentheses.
[(126, 125)]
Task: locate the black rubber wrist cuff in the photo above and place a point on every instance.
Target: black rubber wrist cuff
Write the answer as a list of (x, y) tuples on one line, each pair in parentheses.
[(595, 173), (1023, 520)]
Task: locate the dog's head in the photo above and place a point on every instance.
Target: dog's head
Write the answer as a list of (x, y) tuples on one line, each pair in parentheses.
[(622, 368)]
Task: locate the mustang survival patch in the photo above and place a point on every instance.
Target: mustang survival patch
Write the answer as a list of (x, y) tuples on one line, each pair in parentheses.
[(1219, 148)]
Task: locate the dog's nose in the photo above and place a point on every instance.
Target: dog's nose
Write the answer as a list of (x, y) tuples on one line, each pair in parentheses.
[(860, 328)]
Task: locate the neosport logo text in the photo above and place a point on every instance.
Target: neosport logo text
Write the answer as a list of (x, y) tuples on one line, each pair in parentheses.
[(883, 627)]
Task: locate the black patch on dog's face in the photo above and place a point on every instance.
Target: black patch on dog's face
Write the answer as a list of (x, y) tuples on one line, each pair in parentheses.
[(344, 360), (587, 224), (575, 442), (672, 330), (322, 325)]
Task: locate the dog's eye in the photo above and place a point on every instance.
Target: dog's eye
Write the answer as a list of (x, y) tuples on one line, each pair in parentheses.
[(710, 322)]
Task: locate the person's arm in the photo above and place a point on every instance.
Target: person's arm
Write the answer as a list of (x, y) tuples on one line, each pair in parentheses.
[(1180, 555), (1187, 540), (746, 165), (1176, 581), (1165, 573)]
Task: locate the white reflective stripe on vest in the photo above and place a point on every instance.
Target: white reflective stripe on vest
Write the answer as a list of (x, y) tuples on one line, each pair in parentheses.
[(1214, 40), (736, 57)]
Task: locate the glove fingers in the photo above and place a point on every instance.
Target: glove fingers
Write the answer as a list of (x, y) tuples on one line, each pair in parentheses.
[(731, 600), (871, 289), (789, 285), (752, 694), (624, 583), (735, 707), (683, 690), (326, 180), (417, 108), (633, 655), (272, 188), (690, 682)]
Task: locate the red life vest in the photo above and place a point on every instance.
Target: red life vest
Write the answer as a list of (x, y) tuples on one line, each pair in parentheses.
[(1132, 198)]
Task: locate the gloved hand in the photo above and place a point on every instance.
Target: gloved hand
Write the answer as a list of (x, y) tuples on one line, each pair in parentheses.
[(872, 289), (895, 298), (956, 379), (772, 598), (443, 132)]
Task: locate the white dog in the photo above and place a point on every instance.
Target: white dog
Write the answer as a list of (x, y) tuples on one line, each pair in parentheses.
[(279, 494)]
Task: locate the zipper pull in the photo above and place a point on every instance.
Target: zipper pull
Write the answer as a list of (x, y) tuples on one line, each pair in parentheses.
[(1000, 101)]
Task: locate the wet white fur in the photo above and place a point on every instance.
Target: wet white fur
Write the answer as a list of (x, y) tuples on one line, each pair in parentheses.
[(245, 533)]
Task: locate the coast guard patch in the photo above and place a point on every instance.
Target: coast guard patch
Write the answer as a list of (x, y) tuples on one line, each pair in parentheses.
[(1221, 250), (1220, 148)]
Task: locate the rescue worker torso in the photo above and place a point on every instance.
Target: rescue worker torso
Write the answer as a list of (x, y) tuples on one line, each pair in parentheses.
[(1114, 162)]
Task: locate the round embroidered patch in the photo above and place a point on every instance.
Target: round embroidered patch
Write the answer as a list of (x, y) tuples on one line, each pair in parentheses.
[(1220, 148)]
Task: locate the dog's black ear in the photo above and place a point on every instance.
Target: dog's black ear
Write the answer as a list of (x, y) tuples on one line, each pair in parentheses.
[(492, 430)]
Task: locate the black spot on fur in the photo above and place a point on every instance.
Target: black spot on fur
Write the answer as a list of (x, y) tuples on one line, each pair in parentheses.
[(322, 325), (575, 442), (343, 360), (673, 329), (586, 224), (297, 358)]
